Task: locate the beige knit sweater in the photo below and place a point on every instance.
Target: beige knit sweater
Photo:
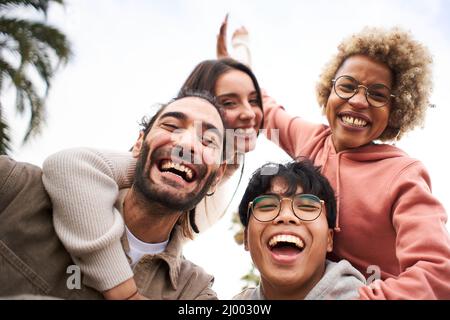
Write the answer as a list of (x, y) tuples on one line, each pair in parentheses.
[(83, 185)]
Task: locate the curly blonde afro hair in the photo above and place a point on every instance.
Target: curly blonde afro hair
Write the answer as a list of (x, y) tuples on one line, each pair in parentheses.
[(410, 63)]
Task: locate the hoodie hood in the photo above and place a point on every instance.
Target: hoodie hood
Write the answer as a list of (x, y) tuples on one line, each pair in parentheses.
[(369, 153), (341, 281), (374, 152)]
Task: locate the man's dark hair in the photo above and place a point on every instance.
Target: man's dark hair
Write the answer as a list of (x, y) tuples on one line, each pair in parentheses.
[(147, 123), (298, 173)]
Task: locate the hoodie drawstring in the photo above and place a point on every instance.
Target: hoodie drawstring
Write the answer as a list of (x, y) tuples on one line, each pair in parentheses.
[(338, 196)]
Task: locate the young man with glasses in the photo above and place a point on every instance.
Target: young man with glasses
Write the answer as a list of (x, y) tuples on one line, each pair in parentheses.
[(289, 219)]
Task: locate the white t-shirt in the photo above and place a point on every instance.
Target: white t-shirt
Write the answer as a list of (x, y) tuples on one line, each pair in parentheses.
[(139, 248)]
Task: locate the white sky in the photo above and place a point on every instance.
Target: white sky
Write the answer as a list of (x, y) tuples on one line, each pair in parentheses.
[(132, 54)]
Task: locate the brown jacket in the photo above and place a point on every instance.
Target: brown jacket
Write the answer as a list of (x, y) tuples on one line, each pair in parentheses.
[(33, 260)]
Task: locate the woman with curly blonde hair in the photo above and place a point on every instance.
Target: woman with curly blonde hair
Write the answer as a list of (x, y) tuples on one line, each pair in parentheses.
[(389, 225)]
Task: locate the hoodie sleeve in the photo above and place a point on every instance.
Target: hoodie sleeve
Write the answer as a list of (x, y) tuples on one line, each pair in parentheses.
[(291, 133), (422, 242), (83, 185), (241, 48)]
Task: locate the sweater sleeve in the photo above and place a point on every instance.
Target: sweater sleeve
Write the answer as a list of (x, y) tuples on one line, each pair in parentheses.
[(83, 185), (422, 244), (291, 133), (241, 49)]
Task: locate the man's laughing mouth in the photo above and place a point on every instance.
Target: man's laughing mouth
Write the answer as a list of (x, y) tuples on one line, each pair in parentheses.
[(285, 248), (183, 170)]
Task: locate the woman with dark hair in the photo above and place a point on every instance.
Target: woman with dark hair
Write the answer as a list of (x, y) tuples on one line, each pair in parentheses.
[(93, 235), (228, 80)]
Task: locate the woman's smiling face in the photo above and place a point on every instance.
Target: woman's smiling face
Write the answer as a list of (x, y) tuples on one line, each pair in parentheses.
[(237, 94), (354, 123)]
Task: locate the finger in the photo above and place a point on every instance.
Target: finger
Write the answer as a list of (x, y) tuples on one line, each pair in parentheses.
[(221, 46), (223, 29), (224, 23), (240, 32)]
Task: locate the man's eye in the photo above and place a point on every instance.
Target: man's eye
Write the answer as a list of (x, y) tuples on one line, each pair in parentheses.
[(209, 142), (169, 126), (266, 207), (307, 207)]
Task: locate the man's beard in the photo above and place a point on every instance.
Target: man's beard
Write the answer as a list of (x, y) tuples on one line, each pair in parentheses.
[(151, 192)]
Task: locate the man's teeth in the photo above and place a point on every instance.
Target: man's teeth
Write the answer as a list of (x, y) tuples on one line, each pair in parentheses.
[(177, 166), (354, 121), (286, 238)]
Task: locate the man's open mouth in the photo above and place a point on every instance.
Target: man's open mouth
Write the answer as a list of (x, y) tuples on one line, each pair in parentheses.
[(286, 244), (182, 170)]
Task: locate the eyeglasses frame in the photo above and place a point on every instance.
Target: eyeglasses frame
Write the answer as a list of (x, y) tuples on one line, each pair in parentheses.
[(280, 199), (366, 94)]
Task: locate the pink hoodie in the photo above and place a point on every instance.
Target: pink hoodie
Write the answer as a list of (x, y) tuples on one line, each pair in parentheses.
[(387, 215)]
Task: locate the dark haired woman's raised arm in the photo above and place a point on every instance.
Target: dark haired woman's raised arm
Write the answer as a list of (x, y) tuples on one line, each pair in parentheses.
[(239, 42)]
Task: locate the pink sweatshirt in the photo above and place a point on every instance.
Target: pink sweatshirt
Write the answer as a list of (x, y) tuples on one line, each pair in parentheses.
[(387, 214)]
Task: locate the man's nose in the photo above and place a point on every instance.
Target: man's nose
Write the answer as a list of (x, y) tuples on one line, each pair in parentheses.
[(189, 146), (286, 215)]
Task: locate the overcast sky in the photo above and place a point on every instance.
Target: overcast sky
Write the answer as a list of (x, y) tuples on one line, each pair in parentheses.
[(129, 55)]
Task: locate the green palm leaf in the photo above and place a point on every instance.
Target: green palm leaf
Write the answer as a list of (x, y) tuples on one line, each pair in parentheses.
[(26, 36), (4, 135), (39, 5), (29, 46)]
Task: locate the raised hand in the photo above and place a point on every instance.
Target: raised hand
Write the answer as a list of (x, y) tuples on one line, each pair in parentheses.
[(241, 34), (239, 41)]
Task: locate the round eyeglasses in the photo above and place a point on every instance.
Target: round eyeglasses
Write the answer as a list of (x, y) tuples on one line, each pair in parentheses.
[(265, 208), (377, 95)]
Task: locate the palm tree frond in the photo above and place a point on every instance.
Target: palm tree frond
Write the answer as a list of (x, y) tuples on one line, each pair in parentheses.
[(43, 65), (37, 117), (38, 5), (27, 46), (20, 101), (6, 69), (29, 34), (26, 96), (4, 135), (37, 109), (52, 39)]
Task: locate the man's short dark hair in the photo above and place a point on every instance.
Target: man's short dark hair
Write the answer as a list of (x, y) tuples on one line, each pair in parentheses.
[(298, 173), (147, 123)]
